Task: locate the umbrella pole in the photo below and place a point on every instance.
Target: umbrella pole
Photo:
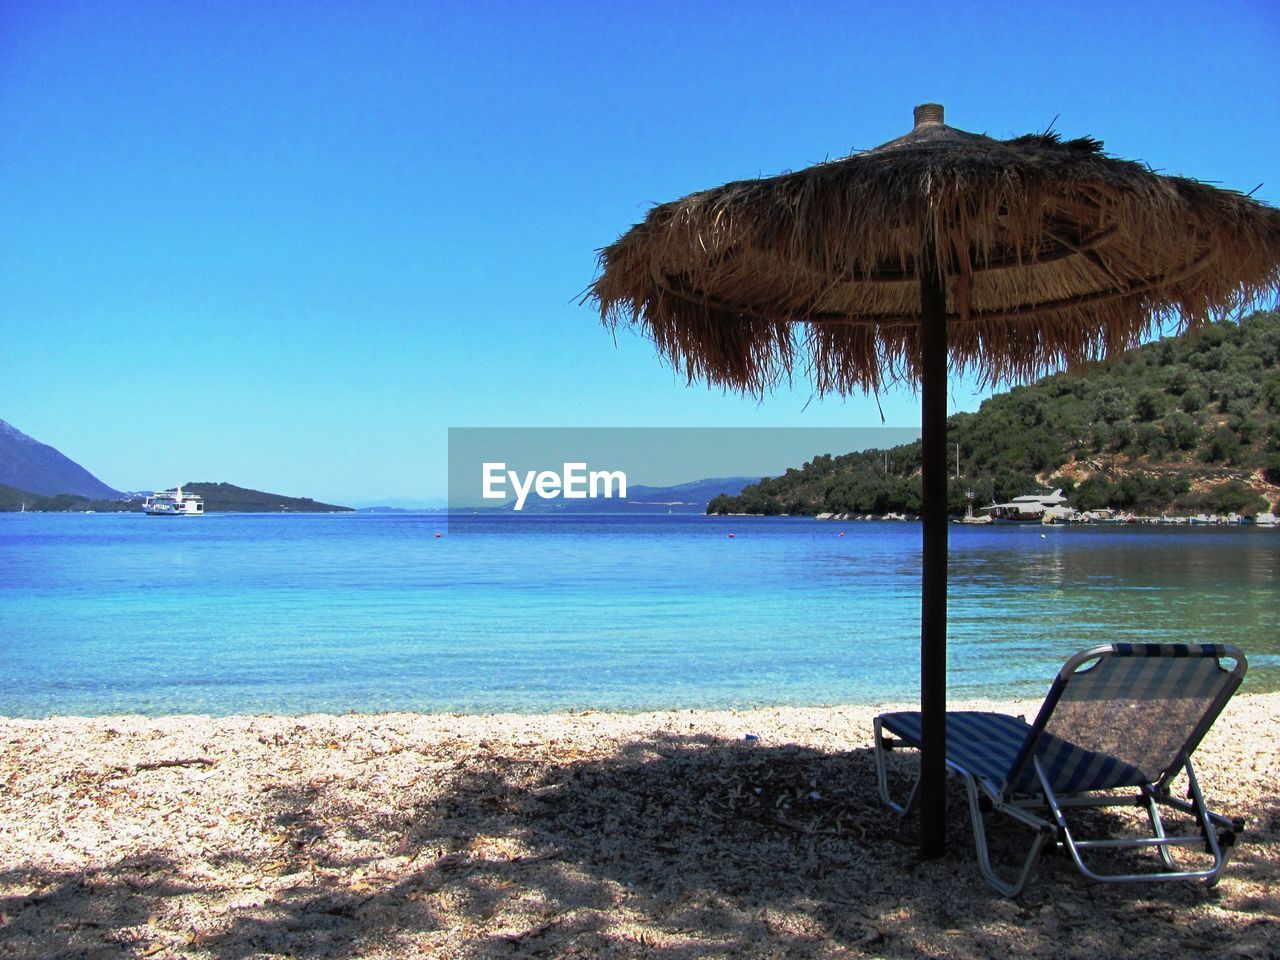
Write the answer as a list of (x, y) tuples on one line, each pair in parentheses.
[(933, 588)]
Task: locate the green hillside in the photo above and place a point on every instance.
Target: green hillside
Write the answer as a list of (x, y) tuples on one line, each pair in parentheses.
[(1186, 424), (13, 500)]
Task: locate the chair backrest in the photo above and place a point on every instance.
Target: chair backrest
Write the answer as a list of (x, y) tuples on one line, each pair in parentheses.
[(1146, 705)]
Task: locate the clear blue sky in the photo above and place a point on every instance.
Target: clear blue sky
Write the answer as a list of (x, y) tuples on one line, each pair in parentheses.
[(289, 244)]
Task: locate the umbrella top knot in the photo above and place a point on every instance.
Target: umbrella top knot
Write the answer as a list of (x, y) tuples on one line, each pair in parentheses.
[(927, 114), (931, 132)]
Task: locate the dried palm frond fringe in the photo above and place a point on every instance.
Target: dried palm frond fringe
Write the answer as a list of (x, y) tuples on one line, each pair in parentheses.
[(1053, 254)]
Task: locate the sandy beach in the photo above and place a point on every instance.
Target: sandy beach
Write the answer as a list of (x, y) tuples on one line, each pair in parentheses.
[(658, 834)]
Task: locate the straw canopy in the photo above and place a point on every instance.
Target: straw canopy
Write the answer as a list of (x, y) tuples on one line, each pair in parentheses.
[(1050, 253)]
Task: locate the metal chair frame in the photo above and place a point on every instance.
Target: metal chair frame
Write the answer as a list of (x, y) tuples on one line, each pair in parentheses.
[(1045, 813)]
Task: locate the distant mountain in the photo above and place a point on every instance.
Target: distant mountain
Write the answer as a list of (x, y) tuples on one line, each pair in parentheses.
[(402, 505), (390, 509), (26, 464), (690, 497), (695, 493)]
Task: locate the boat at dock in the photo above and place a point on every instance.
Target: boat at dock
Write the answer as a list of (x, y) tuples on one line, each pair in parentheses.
[(1043, 507), (969, 516), (1106, 515), (173, 503)]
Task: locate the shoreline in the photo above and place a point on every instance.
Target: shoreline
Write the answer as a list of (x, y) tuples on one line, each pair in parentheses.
[(1254, 687), (596, 833)]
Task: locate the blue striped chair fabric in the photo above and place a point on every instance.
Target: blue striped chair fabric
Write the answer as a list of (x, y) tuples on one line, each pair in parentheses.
[(988, 744), (1141, 705)]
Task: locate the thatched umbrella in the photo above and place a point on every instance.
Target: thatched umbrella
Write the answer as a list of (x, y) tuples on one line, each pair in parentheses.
[(1010, 257)]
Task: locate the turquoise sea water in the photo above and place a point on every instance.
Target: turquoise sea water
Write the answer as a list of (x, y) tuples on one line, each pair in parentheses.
[(223, 614)]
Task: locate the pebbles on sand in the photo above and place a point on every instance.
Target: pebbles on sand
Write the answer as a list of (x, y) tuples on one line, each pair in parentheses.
[(680, 834)]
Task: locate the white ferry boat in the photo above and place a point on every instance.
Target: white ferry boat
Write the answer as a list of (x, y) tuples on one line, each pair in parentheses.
[(1032, 508), (173, 503)]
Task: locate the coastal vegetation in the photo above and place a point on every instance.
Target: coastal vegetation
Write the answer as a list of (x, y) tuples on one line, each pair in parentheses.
[(1187, 424), (13, 500), (218, 498)]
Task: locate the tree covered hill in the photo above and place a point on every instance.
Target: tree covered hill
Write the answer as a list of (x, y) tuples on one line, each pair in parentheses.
[(13, 500), (1188, 424)]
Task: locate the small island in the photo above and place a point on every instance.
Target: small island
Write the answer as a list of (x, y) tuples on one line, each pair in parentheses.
[(218, 498)]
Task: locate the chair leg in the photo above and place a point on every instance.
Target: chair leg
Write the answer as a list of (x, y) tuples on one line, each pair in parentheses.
[(1220, 854), (1157, 830), (985, 867), (882, 777), (1076, 847), (1043, 830)]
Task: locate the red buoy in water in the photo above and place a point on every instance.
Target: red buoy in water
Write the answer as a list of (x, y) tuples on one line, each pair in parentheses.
[(731, 536), (437, 536)]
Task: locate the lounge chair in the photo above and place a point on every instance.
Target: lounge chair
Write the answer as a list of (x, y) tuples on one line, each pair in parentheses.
[(1117, 716)]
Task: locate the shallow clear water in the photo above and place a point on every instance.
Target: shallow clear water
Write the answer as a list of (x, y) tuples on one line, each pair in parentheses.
[(111, 613)]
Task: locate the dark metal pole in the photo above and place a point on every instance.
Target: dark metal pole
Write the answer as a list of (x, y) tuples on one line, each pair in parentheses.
[(933, 591)]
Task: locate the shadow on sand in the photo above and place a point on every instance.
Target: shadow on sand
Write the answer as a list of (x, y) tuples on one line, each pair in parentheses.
[(674, 846)]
